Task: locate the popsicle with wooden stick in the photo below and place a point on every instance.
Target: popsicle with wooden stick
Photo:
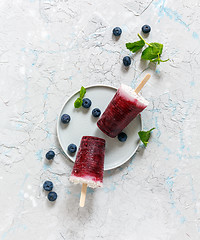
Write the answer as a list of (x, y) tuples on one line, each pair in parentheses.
[(89, 165), (123, 108)]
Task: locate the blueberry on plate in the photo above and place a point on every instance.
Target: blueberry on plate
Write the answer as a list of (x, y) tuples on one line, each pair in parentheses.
[(65, 118), (146, 29), (122, 137), (96, 112), (86, 102), (48, 185), (50, 155), (117, 31), (72, 148), (52, 196), (127, 61)]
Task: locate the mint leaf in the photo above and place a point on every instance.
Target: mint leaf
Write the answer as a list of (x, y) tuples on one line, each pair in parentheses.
[(157, 47), (135, 46), (150, 53), (82, 92), (78, 102), (153, 51), (144, 136)]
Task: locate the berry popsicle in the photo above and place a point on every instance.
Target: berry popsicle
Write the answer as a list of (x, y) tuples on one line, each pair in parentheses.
[(89, 165), (123, 108)]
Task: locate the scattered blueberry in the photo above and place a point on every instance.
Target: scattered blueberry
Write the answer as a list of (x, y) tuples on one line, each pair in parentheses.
[(146, 29), (96, 112), (117, 31), (122, 137), (65, 118), (72, 148), (52, 196), (127, 61), (50, 155), (86, 102), (48, 185)]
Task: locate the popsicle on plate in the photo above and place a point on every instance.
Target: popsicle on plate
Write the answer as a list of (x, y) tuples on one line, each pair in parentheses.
[(89, 165), (123, 108)]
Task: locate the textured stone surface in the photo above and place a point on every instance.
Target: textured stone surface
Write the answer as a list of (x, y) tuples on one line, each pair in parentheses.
[(48, 50)]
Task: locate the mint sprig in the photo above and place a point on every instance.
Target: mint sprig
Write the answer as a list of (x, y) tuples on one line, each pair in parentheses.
[(145, 135), (82, 92), (79, 100), (151, 53)]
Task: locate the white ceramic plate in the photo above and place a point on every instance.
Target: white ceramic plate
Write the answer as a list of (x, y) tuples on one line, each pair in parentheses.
[(84, 124)]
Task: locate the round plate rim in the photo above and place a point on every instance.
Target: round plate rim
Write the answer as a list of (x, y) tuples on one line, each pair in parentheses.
[(58, 122)]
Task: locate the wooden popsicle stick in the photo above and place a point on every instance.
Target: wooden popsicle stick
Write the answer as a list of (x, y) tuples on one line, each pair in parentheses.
[(83, 195), (143, 82)]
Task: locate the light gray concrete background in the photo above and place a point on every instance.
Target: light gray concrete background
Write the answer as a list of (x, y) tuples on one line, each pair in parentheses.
[(48, 49)]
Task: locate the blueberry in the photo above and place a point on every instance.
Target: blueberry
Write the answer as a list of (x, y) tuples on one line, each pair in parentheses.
[(72, 148), (122, 137), (86, 102), (96, 112), (48, 185), (127, 61), (146, 29), (65, 118), (117, 31), (50, 155), (52, 196)]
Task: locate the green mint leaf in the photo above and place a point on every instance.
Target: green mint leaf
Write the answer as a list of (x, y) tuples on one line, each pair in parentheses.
[(78, 102), (82, 92), (135, 46), (153, 51), (144, 136), (158, 47), (150, 53)]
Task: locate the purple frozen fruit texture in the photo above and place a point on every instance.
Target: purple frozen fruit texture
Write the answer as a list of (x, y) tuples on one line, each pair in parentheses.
[(122, 109), (89, 164)]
